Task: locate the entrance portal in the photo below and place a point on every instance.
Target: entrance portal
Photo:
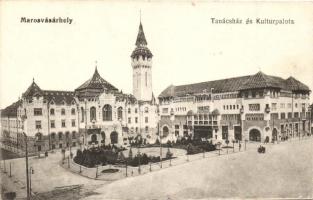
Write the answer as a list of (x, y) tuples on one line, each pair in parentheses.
[(255, 135), (274, 134), (114, 137)]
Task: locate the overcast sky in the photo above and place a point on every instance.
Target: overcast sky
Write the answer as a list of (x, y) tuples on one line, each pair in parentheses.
[(187, 47)]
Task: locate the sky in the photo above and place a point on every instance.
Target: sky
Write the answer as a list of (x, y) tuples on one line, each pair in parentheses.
[(186, 45)]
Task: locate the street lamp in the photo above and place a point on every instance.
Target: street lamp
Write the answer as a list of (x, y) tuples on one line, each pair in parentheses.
[(30, 179), (26, 160), (159, 131)]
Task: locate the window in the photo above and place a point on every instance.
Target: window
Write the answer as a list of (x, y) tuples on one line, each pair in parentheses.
[(136, 110), (289, 115), (146, 120), (165, 110), (82, 114), (67, 135), (60, 135), (274, 116), (230, 107), (246, 94), (62, 111), (146, 109), (37, 111), (146, 79), (274, 106), (63, 123), (52, 124), (74, 134), (296, 115), (237, 106), (129, 120), (129, 110), (93, 114), (73, 123), (53, 136), (234, 107), (51, 111), (107, 113), (38, 124), (282, 116), (147, 129), (176, 126), (254, 107), (282, 105), (120, 113), (136, 129), (289, 105), (73, 111), (254, 117), (136, 119), (227, 107), (296, 105)]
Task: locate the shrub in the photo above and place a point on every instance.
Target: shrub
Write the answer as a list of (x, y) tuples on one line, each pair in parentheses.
[(191, 149)]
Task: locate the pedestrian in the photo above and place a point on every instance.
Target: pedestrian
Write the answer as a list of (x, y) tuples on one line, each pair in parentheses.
[(239, 146)]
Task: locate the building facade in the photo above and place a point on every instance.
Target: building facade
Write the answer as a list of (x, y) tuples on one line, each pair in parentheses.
[(257, 108), (96, 113)]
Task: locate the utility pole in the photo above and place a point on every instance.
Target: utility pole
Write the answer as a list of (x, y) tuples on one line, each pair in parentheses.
[(27, 174)]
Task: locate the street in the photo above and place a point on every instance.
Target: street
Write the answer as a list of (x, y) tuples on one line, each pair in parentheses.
[(284, 171)]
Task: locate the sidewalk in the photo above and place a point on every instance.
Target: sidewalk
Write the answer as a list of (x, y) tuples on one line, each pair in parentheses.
[(12, 184)]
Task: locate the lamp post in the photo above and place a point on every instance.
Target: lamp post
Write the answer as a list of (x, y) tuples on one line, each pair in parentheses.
[(30, 179), (26, 160), (159, 131)]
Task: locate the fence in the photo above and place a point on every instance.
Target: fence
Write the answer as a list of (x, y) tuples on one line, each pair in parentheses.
[(129, 171)]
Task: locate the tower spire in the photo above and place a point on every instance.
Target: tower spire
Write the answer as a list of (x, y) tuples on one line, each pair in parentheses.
[(141, 38)]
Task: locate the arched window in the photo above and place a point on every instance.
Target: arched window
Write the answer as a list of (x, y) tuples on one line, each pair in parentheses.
[(114, 137), (94, 138), (51, 111), (60, 135), (73, 111), (93, 114), (82, 114), (146, 109), (120, 113), (53, 136), (107, 113), (103, 137), (67, 135), (74, 134), (129, 110)]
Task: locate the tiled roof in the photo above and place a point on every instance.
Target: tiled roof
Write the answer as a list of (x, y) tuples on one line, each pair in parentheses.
[(257, 81), (294, 84), (141, 39), (261, 80), (141, 45), (218, 86), (58, 96), (32, 90), (11, 110), (96, 82)]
